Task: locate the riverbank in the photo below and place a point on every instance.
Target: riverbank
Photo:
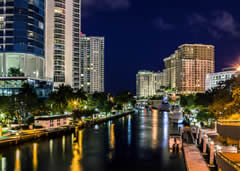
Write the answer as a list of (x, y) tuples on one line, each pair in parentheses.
[(45, 133)]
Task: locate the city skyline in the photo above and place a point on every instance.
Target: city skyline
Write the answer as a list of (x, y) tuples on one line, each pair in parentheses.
[(154, 30)]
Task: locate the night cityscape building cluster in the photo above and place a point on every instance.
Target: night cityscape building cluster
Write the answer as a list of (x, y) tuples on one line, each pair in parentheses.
[(43, 41), (185, 70)]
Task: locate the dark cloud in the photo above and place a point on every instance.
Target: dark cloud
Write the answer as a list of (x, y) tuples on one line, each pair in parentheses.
[(91, 6), (225, 22), (218, 24), (162, 25)]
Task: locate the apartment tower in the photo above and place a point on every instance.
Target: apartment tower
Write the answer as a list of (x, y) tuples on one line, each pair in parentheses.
[(190, 64), (148, 83), (63, 28), (91, 77)]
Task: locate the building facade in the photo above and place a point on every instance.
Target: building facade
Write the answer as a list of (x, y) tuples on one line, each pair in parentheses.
[(170, 71), (22, 50), (213, 79), (63, 28), (148, 83), (91, 65), (22, 37), (186, 69)]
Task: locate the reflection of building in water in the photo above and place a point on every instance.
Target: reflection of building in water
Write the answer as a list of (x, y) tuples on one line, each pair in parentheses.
[(63, 144), (111, 141), (35, 158), (165, 129), (51, 148), (17, 161), (112, 137), (77, 153), (154, 129), (129, 129), (3, 165)]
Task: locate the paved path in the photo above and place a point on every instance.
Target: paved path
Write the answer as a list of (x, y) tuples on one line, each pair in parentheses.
[(193, 158)]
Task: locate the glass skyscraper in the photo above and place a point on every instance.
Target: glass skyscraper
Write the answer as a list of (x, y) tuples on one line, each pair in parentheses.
[(22, 30), (22, 37)]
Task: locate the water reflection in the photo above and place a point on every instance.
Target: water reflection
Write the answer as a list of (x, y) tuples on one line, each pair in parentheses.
[(35, 157), (51, 149), (77, 153), (142, 144), (165, 129), (63, 144), (17, 161), (111, 141), (129, 129), (3, 165), (155, 129)]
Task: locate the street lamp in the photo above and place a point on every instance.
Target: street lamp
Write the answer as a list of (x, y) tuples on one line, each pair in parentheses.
[(238, 68)]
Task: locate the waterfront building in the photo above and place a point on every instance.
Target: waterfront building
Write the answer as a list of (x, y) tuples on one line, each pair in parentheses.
[(63, 28), (22, 37), (148, 83), (90, 75), (22, 51), (54, 121), (186, 69), (213, 79)]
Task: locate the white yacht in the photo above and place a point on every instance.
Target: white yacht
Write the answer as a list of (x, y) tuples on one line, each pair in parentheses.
[(176, 114)]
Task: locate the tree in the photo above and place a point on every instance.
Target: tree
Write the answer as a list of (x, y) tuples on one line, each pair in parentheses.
[(59, 99), (124, 98), (15, 72)]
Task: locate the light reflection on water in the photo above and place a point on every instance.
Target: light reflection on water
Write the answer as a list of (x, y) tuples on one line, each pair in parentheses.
[(17, 161), (115, 145), (77, 153), (35, 156), (155, 129)]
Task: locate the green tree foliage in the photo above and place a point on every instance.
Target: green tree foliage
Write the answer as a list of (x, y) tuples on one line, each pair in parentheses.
[(22, 105), (59, 99), (124, 98), (15, 72)]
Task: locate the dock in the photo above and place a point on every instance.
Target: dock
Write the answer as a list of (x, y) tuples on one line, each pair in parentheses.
[(193, 158)]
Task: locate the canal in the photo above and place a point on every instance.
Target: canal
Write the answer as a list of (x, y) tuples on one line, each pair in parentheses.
[(136, 142)]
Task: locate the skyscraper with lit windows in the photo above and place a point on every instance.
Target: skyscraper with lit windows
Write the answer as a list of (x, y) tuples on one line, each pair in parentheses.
[(63, 28), (186, 69), (91, 77), (22, 51), (22, 37)]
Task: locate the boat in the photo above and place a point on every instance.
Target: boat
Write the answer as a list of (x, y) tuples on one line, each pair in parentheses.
[(176, 114), (164, 106)]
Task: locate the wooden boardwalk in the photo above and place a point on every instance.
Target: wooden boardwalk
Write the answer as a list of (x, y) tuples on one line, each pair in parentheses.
[(193, 158)]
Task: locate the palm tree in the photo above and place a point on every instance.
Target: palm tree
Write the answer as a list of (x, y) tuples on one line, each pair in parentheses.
[(58, 100)]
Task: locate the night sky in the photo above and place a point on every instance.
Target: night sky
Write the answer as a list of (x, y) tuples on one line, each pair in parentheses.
[(140, 33)]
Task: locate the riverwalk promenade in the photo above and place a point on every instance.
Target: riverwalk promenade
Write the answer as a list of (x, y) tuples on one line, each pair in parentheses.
[(193, 158), (29, 135)]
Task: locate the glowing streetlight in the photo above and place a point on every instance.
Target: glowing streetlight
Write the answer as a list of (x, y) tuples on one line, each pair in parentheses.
[(75, 103), (238, 68)]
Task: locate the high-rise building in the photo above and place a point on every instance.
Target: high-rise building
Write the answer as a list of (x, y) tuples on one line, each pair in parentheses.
[(22, 59), (170, 71), (22, 37), (188, 67), (91, 65), (63, 28), (148, 83)]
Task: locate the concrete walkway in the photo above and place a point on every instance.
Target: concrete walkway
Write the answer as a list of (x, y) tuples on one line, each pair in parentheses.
[(193, 158)]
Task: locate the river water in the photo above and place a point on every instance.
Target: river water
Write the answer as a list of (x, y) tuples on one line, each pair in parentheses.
[(136, 142)]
